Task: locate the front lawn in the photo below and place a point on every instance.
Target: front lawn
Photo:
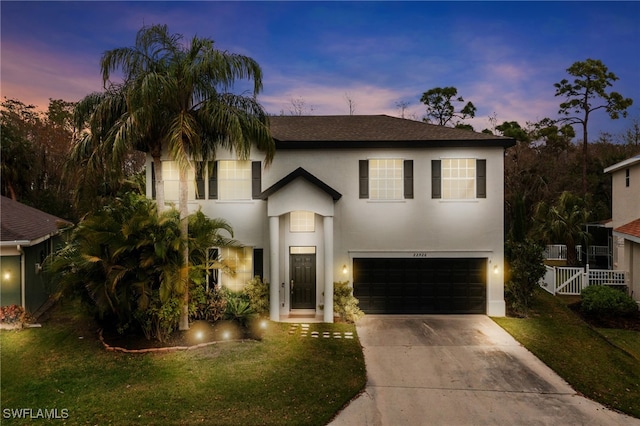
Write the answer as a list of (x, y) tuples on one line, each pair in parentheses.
[(286, 378), (607, 371)]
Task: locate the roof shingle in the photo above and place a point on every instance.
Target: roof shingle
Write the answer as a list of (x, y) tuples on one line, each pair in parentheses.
[(19, 222), (347, 131)]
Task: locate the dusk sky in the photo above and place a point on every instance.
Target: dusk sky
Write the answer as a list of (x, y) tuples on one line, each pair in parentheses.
[(502, 56)]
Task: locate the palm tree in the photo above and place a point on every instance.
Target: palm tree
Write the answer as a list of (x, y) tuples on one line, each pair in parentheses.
[(563, 222), (178, 97)]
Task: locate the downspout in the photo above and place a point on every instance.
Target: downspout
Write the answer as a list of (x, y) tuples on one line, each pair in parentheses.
[(23, 292)]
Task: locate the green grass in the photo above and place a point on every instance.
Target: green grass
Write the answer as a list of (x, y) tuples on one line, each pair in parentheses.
[(282, 379), (593, 365)]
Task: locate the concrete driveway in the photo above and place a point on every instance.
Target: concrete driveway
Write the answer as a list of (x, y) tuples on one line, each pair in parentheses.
[(460, 370)]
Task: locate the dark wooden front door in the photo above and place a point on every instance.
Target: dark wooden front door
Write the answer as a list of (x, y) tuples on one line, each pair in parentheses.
[(303, 277)]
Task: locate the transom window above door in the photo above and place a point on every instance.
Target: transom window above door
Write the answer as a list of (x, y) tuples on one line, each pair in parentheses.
[(302, 221)]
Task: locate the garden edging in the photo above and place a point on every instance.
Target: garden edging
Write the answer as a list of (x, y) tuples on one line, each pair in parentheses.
[(165, 349)]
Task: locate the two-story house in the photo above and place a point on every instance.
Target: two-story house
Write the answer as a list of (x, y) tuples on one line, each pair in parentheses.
[(412, 214), (625, 208)]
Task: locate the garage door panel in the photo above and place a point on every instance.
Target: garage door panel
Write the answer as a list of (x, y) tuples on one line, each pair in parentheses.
[(414, 286)]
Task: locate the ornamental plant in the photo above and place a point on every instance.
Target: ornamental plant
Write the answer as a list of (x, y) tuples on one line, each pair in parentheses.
[(12, 314), (344, 303)]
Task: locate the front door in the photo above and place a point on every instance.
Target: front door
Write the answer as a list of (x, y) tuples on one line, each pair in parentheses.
[(303, 281)]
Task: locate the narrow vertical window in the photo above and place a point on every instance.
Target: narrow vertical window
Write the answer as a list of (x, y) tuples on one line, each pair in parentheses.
[(627, 178)]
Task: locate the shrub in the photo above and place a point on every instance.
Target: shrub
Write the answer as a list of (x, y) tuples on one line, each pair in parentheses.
[(526, 268), (12, 314), (344, 304), (207, 304), (159, 319), (239, 309), (257, 292), (606, 302)]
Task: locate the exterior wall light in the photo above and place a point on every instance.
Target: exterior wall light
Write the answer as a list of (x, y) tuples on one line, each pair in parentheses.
[(344, 269), (6, 275), (496, 270)]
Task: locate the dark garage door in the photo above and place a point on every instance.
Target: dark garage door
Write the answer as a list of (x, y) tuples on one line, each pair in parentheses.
[(420, 286)]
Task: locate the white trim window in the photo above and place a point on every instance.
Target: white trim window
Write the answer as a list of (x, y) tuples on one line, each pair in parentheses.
[(302, 221), (239, 261), (458, 178), (385, 179), (234, 180)]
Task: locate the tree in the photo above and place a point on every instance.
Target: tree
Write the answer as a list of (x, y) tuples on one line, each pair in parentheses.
[(351, 103), (512, 129), (586, 94), (181, 94), (35, 145), (440, 108), (298, 107), (563, 222)]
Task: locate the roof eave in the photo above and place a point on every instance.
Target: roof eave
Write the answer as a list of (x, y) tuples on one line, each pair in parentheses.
[(351, 144)]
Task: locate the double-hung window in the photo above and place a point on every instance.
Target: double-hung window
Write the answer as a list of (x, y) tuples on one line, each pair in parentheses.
[(386, 179), (458, 178), (233, 180)]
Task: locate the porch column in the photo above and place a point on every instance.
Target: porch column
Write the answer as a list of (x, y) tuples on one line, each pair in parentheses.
[(327, 222), (274, 269)]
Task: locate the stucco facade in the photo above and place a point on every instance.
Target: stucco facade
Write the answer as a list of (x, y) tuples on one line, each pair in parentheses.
[(324, 177), (625, 221)]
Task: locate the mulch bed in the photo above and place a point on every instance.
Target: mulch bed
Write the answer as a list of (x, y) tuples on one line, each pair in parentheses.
[(200, 332)]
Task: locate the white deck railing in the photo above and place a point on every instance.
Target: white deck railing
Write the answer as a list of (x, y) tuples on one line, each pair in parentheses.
[(559, 251), (571, 281)]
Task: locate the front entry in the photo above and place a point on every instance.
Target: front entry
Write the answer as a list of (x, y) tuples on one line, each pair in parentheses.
[(303, 281)]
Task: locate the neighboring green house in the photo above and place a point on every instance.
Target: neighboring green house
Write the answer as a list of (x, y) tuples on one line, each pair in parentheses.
[(27, 237)]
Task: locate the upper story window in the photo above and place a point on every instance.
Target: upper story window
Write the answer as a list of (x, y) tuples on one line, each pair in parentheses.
[(302, 221), (627, 178), (234, 180), (386, 179), (458, 178), (171, 178)]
